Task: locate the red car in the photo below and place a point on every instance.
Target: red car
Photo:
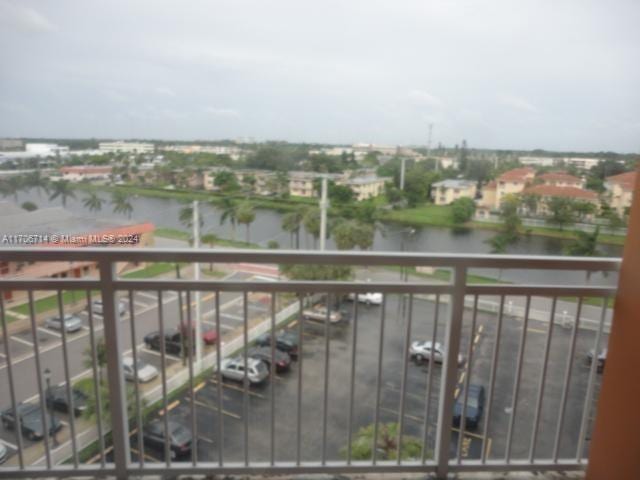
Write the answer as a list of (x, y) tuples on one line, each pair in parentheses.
[(209, 336)]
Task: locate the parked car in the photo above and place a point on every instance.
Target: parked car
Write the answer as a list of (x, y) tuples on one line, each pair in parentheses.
[(282, 359), (421, 352), (4, 453), (319, 313), (146, 372), (209, 336), (286, 341), (234, 369), (475, 407), (71, 323), (180, 437), (602, 358), (172, 341), (96, 307), (30, 418), (57, 398), (370, 298)]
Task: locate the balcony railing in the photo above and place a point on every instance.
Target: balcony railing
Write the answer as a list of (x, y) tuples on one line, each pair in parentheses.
[(524, 344)]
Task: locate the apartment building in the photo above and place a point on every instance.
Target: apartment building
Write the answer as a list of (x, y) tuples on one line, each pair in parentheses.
[(620, 191), (126, 147), (85, 172), (560, 179), (510, 182), (447, 191), (547, 192), (366, 187)]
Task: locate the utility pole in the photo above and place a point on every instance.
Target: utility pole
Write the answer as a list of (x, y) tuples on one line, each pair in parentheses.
[(402, 166), (429, 145), (324, 204), (196, 277)]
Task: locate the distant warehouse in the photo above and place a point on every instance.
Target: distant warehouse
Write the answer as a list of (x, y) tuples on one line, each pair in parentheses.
[(126, 147)]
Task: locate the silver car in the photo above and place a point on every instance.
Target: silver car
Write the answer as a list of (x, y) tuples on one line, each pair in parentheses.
[(146, 372), (233, 369), (422, 351), (71, 323), (97, 307)]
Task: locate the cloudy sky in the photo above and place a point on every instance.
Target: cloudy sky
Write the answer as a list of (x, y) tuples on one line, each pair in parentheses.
[(556, 74)]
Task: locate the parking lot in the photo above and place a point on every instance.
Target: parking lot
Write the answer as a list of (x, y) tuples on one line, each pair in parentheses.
[(284, 388)]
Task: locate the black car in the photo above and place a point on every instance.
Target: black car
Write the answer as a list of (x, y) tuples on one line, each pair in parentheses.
[(30, 417), (180, 438), (282, 359), (172, 341), (475, 407), (286, 341), (57, 398), (602, 358)]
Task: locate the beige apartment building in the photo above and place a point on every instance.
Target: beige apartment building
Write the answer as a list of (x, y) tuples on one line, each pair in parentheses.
[(366, 187), (447, 191), (547, 192), (620, 191), (560, 179), (512, 182)]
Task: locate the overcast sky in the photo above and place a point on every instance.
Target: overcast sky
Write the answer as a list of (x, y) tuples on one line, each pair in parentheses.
[(500, 73)]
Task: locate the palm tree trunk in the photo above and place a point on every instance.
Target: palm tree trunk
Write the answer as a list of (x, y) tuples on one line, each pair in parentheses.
[(248, 236)]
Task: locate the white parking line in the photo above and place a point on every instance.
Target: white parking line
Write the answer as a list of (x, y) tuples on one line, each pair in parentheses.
[(20, 340), (232, 317), (49, 332), (159, 354), (9, 444), (222, 325)]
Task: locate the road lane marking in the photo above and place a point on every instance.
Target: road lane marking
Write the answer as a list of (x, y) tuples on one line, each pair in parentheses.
[(20, 340)]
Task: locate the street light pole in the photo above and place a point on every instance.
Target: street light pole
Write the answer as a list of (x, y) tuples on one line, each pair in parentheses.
[(49, 404), (324, 204), (196, 277)]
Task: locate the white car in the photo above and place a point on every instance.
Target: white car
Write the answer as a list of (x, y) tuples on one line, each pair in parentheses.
[(233, 369), (146, 372), (4, 453), (97, 307), (370, 298), (71, 323), (422, 351)]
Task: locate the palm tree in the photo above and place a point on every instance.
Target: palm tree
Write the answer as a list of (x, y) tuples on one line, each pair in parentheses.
[(210, 239), (186, 218), (93, 202), (311, 221), (37, 181), (291, 223), (229, 212), (62, 189), (121, 203), (246, 215)]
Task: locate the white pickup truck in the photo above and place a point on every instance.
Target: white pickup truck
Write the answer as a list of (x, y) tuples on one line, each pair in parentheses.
[(319, 313)]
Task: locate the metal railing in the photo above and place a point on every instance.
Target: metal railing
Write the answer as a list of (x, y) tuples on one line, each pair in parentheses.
[(446, 312)]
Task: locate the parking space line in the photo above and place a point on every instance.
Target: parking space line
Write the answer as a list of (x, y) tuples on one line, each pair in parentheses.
[(159, 354), (480, 328), (215, 409), (2, 355), (388, 410), (49, 332), (208, 440), (146, 455), (9, 444), (20, 340), (238, 389), (231, 316), (170, 407), (198, 387), (536, 330)]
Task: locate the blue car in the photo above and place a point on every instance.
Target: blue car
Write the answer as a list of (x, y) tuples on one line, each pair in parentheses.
[(475, 407)]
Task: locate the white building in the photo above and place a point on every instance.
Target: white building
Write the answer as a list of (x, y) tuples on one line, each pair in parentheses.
[(45, 149), (538, 161), (126, 147), (581, 163)]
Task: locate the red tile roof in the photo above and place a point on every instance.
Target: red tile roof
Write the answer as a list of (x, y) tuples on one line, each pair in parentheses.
[(86, 169), (559, 177), (491, 185), (625, 180), (517, 175), (568, 192)]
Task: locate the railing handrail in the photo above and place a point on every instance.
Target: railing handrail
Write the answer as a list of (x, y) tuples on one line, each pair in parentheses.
[(202, 255)]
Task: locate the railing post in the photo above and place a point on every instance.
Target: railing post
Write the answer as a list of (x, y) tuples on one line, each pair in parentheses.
[(450, 372), (115, 377)]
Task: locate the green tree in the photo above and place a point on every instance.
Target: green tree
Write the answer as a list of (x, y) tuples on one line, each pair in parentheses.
[(29, 206), (387, 444), (185, 216), (209, 239), (462, 209), (561, 211), (340, 193), (585, 244), (273, 245), (311, 221), (348, 234), (63, 190), (121, 203), (93, 202), (246, 214), (229, 212), (584, 209), (36, 180), (530, 202), (226, 181), (291, 223)]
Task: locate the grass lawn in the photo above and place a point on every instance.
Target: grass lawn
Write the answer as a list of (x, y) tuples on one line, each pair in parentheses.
[(429, 214), (51, 303), (152, 270), (177, 234)]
